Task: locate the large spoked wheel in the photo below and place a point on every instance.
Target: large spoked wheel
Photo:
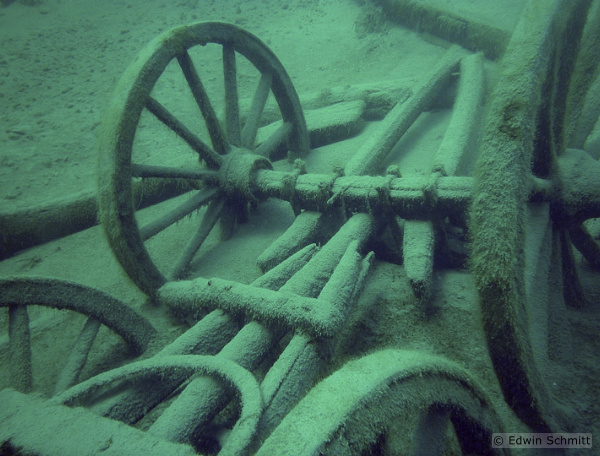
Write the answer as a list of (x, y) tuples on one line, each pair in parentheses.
[(212, 158), (522, 257), (18, 293), (367, 406)]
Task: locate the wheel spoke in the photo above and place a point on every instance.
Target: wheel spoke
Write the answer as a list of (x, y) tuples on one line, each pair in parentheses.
[(273, 142), (78, 357), (19, 348), (585, 243), (217, 135), (432, 428), (161, 113), (256, 110), (170, 172), (213, 212), (201, 198), (232, 110), (573, 292), (233, 212)]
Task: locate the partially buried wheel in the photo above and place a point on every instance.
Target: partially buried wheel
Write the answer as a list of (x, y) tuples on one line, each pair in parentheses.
[(18, 293), (209, 159), (367, 406)]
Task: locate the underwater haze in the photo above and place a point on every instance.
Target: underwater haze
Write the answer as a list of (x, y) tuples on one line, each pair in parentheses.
[(287, 227)]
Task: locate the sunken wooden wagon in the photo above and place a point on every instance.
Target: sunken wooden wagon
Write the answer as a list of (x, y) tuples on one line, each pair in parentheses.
[(293, 362)]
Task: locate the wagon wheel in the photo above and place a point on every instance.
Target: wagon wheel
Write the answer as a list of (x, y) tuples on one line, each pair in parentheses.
[(56, 424), (374, 392), (225, 371), (522, 256), (19, 292), (220, 172)]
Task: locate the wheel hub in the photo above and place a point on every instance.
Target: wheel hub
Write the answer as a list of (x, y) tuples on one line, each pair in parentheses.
[(236, 175)]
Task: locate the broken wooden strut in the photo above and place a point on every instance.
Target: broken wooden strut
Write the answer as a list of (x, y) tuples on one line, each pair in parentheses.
[(271, 342)]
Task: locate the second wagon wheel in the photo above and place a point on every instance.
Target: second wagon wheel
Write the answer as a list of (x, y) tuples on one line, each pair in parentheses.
[(522, 259), (210, 157)]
